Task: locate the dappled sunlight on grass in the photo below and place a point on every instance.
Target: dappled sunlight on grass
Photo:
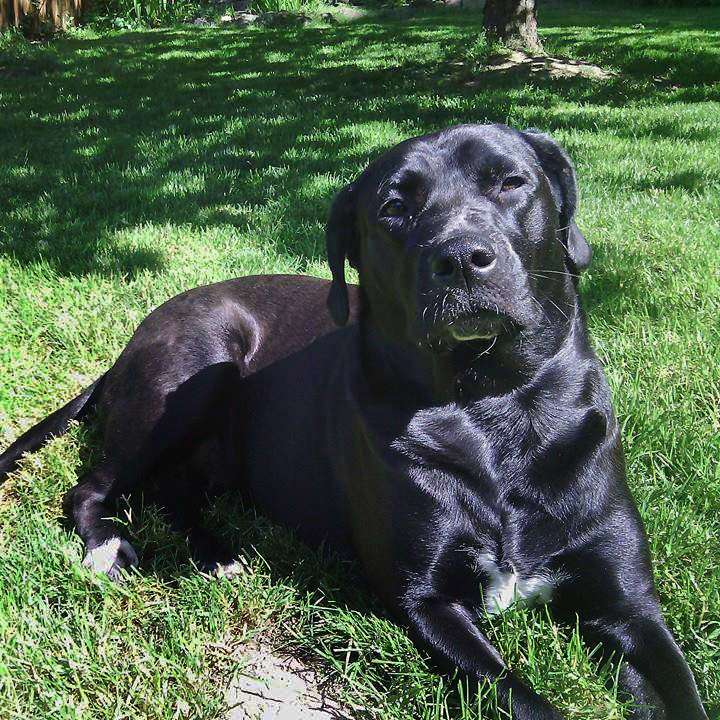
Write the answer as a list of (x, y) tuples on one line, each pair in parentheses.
[(137, 164)]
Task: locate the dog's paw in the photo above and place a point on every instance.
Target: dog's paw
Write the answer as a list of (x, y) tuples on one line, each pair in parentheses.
[(227, 569), (111, 558)]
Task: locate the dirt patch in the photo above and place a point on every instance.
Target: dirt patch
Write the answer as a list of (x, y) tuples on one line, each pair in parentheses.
[(518, 62), (275, 687)]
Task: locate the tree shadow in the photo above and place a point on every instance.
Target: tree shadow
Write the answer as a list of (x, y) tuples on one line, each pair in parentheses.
[(201, 127)]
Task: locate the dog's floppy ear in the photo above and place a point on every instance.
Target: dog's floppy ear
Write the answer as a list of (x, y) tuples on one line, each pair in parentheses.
[(560, 172), (341, 242)]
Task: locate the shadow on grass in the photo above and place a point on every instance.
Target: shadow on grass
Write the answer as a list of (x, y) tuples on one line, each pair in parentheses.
[(253, 130), (203, 127)]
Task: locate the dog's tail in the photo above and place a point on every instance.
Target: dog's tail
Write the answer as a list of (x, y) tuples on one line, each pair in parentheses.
[(54, 424)]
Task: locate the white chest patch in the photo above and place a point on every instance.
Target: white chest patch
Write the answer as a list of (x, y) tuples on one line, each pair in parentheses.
[(505, 587)]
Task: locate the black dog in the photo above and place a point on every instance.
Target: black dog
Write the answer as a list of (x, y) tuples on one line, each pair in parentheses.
[(457, 436)]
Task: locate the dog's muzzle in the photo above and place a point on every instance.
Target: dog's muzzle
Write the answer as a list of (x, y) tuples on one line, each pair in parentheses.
[(459, 273)]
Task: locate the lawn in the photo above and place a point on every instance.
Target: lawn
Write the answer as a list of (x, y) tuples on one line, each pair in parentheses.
[(136, 164)]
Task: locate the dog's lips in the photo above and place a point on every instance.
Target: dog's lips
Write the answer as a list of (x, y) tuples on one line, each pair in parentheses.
[(482, 325), (467, 332)]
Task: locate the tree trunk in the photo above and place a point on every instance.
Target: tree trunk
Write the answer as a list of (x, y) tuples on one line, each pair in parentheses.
[(39, 16), (513, 22)]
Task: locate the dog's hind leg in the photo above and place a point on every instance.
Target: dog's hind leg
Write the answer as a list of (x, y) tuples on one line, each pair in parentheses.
[(155, 420), (185, 491), (91, 505)]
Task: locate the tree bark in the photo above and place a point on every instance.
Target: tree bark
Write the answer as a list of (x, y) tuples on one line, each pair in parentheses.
[(512, 22), (36, 16)]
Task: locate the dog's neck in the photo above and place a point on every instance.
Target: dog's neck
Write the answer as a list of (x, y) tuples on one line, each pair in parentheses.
[(470, 370)]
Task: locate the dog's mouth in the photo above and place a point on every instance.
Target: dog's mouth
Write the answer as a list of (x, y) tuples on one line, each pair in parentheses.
[(449, 320), (481, 325)]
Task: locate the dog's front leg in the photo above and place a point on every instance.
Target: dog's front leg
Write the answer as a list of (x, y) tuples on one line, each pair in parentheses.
[(447, 630), (655, 673)]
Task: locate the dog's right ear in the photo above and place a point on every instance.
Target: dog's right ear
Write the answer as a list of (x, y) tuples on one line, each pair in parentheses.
[(341, 242)]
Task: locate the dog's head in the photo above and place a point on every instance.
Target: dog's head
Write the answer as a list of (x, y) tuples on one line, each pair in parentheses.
[(460, 236)]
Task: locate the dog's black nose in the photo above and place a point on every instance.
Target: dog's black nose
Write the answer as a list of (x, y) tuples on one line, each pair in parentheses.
[(453, 260)]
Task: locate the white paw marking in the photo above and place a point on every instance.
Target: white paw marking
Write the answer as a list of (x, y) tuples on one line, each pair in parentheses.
[(231, 569), (506, 587), (107, 557)]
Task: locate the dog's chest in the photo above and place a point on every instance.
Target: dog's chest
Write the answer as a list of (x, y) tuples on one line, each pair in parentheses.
[(474, 478)]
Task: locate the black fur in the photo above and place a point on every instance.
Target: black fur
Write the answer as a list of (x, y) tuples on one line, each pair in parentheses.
[(457, 425)]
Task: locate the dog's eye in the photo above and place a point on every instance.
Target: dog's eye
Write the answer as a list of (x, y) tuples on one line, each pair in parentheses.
[(512, 183), (394, 208)]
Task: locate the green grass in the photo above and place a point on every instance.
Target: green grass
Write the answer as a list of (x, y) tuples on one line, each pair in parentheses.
[(134, 165), (136, 14), (293, 6), (147, 12)]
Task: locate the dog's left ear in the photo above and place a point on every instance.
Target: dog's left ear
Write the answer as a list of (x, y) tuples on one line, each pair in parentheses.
[(341, 242), (560, 172)]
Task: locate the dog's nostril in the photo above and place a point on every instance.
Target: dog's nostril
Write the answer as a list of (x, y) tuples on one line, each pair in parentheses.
[(482, 258), (443, 267)]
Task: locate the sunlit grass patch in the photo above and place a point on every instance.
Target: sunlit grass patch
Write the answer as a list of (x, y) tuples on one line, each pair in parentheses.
[(134, 165)]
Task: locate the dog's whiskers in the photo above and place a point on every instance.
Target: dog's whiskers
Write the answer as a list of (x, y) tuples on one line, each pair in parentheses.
[(557, 272), (542, 309), (487, 349), (541, 276), (549, 299)]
